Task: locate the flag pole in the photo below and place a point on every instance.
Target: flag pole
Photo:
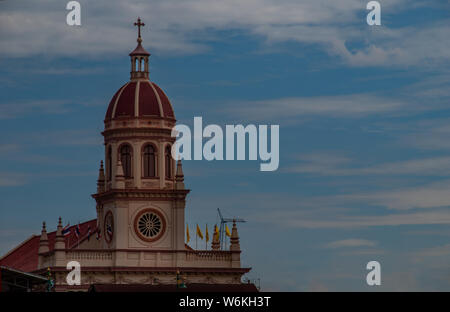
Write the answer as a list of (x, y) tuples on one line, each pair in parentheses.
[(78, 231)]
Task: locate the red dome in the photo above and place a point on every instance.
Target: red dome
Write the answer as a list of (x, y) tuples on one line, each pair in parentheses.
[(140, 98)]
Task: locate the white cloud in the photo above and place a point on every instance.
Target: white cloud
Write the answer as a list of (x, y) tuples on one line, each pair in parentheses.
[(63, 71), (432, 261), (432, 88), (14, 109), (428, 135), (183, 27), (352, 242), (330, 164), (404, 46), (66, 137), (342, 106), (12, 179), (434, 195), (434, 252), (349, 211), (9, 148), (298, 220)]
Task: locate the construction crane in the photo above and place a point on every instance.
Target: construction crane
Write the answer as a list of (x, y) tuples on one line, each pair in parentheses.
[(223, 222)]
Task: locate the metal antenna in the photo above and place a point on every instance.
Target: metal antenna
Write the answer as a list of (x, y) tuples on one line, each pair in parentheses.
[(224, 221)]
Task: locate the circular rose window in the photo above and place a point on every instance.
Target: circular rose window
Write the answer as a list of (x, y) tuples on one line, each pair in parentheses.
[(149, 225)]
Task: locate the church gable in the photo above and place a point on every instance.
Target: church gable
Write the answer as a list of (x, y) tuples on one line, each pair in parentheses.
[(25, 256)]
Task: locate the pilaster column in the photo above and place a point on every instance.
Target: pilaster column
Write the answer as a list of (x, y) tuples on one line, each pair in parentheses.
[(161, 171), (137, 164)]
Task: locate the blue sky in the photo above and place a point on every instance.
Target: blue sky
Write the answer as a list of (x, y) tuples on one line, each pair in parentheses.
[(363, 112)]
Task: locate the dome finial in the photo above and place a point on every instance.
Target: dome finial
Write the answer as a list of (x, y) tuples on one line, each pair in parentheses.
[(139, 24), (139, 57)]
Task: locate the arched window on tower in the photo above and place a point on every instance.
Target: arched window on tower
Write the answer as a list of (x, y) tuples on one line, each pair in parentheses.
[(125, 158), (149, 161), (168, 162), (109, 163)]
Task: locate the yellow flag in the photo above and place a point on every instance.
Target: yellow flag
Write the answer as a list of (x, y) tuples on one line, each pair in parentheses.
[(207, 234), (188, 237), (227, 231), (216, 232), (199, 232)]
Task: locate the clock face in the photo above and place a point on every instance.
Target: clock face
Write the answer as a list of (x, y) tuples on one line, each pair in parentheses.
[(109, 226)]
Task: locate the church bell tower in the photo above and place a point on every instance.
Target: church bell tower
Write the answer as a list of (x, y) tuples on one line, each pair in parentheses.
[(140, 191)]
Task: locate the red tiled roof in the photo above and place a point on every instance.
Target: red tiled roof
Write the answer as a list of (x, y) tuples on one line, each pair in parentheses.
[(25, 256), (151, 101)]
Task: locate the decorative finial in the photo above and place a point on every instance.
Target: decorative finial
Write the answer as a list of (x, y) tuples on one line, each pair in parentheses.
[(59, 241), (101, 179), (215, 245), (179, 173), (119, 178), (139, 57), (139, 24), (43, 241), (179, 176), (234, 239)]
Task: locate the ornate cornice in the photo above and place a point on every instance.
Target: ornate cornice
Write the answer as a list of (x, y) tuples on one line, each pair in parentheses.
[(135, 132), (150, 269), (141, 194)]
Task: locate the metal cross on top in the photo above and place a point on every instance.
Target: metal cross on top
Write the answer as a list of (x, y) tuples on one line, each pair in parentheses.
[(139, 24)]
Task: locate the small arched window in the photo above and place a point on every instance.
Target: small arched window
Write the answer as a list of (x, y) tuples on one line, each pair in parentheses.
[(168, 161), (109, 164), (149, 161), (125, 158)]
